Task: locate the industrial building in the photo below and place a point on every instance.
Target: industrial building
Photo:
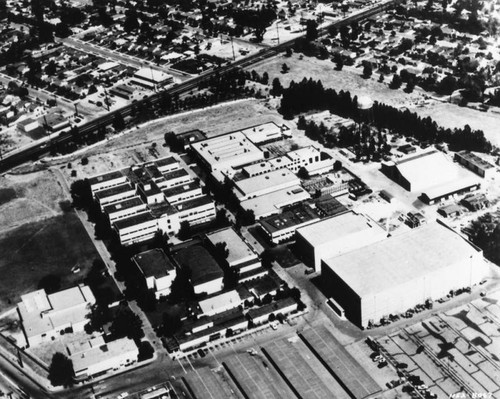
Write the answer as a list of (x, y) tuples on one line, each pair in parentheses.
[(227, 153), (334, 236), (153, 197), (264, 133), (266, 183), (418, 173), (240, 255), (151, 78), (475, 163), (391, 276), (97, 357), (220, 303), (204, 273), (303, 157), (44, 316), (157, 270), (272, 203), (282, 227)]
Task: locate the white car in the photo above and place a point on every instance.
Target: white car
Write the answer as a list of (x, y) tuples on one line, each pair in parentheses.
[(122, 395)]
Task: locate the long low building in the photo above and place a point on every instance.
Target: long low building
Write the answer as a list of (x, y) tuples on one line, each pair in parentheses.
[(393, 275), (272, 203), (98, 359), (265, 183), (336, 235)]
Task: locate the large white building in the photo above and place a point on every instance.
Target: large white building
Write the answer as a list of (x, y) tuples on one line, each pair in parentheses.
[(220, 303), (432, 174), (158, 271), (394, 275), (336, 235), (45, 316), (149, 198), (227, 153), (151, 78), (97, 357), (265, 183)]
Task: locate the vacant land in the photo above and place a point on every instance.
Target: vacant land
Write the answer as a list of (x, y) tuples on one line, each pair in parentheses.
[(53, 246), (350, 79)]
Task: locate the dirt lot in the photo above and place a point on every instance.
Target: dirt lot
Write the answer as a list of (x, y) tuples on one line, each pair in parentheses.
[(36, 249)]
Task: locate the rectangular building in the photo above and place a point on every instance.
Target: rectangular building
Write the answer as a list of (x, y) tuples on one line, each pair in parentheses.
[(265, 133), (282, 227), (475, 163), (264, 184), (133, 229), (393, 275), (336, 235), (273, 203), (220, 303), (44, 316), (106, 357), (158, 271), (227, 152), (123, 209), (303, 157)]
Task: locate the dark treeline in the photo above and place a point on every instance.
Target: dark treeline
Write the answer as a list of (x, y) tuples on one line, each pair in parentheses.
[(311, 95)]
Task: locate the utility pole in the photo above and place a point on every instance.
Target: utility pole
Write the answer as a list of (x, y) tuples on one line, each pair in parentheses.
[(76, 109), (232, 46), (278, 31)]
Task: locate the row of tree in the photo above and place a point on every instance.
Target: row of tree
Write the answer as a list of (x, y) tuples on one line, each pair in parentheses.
[(309, 95)]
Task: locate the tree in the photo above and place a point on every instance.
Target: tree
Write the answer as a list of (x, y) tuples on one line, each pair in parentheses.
[(221, 252), (245, 217), (221, 219), (311, 30), (171, 324), (276, 89), (339, 64), (118, 122), (396, 82), (288, 52), (61, 370), (50, 283), (127, 324), (285, 68), (265, 78), (410, 85), (303, 174), (337, 165), (367, 71), (146, 351)]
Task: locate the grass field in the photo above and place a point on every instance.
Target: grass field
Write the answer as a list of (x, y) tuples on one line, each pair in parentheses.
[(34, 250)]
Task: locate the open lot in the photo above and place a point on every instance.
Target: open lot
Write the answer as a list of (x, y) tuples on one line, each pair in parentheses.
[(207, 384), (453, 350), (34, 250)]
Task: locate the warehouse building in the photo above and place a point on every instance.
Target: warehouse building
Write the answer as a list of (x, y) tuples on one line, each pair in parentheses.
[(227, 152), (264, 133), (475, 163), (418, 173), (336, 235), (273, 203), (393, 275), (205, 274), (151, 78), (266, 183), (157, 270), (220, 303)]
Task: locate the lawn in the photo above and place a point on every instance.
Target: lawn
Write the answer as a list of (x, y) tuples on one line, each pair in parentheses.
[(34, 250)]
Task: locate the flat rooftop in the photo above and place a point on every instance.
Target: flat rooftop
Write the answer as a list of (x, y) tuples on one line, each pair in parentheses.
[(152, 75), (116, 174), (175, 174), (238, 249), (303, 153), (109, 192), (154, 263), (173, 191), (219, 301), (194, 203), (266, 181), (120, 206), (231, 150), (264, 132), (399, 259), (339, 226), (289, 218), (134, 220), (271, 203), (165, 161), (475, 160), (202, 265)]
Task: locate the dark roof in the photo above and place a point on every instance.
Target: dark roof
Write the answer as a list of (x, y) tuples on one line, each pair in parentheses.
[(118, 206), (166, 161), (162, 208), (153, 263), (109, 192), (133, 220), (194, 203), (253, 272), (263, 285), (105, 177), (289, 218), (169, 192), (175, 174), (202, 265), (271, 307)]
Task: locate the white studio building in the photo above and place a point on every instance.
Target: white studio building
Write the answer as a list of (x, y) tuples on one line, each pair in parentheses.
[(44, 316), (266, 183), (336, 235), (395, 274)]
